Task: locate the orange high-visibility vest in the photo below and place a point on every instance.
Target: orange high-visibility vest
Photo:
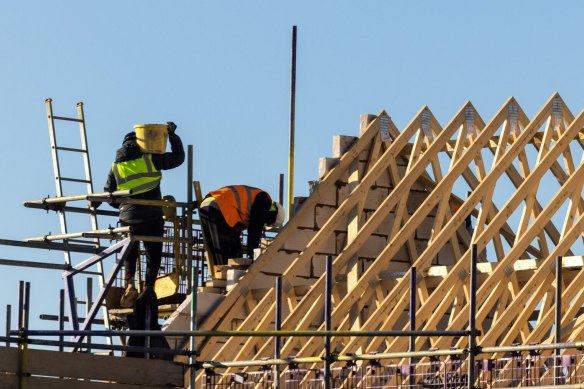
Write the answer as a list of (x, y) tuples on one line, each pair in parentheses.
[(235, 202)]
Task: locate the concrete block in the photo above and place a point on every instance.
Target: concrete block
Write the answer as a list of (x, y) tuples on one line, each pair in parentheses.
[(216, 283), (323, 214), (342, 143), (299, 240), (332, 244), (296, 205), (375, 196), (415, 199), (364, 121), (385, 226), (233, 276), (424, 230), (325, 164), (445, 256)]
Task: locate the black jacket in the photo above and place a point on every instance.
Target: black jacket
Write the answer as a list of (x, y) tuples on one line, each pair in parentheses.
[(257, 220), (132, 213)]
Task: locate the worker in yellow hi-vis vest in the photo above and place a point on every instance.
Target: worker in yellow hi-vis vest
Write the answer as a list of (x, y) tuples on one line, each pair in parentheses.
[(141, 172), (226, 212)]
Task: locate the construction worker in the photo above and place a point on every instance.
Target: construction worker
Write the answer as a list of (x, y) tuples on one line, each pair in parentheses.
[(141, 173), (226, 212)]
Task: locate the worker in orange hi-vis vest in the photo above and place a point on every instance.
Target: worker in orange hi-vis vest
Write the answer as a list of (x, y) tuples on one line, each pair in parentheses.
[(226, 212)]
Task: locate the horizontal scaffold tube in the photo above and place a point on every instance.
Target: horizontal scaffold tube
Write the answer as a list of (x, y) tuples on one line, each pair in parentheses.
[(118, 197), (333, 357), (130, 200), (97, 346), (289, 333), (24, 334), (118, 230), (64, 199), (48, 245)]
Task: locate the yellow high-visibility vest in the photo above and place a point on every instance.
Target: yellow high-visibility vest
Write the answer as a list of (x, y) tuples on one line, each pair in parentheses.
[(139, 175)]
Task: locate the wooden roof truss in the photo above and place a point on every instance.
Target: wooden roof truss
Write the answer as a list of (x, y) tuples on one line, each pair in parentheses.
[(418, 197)]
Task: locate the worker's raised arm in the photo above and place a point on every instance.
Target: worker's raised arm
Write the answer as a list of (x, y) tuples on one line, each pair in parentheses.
[(175, 157)]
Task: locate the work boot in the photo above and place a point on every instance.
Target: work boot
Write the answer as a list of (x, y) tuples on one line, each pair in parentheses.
[(129, 297)]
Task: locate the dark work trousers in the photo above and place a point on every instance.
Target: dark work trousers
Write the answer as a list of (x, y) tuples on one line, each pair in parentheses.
[(146, 310), (153, 249), (222, 241)]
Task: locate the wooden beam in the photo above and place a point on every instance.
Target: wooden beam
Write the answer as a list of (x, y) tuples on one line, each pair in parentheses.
[(131, 371)]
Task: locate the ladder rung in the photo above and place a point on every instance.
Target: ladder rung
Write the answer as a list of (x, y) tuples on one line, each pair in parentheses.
[(68, 119), (71, 149), (73, 180)]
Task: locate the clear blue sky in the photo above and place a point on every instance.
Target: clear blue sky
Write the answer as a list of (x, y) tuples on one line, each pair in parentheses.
[(221, 69)]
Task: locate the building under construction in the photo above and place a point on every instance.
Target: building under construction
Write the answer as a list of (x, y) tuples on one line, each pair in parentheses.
[(433, 255)]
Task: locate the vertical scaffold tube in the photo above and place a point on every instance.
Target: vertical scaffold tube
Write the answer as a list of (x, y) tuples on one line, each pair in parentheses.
[(193, 265), (26, 306), (472, 316), (23, 347), (277, 327), (61, 317), (413, 283), (189, 215), (8, 323), (88, 303), (327, 324), (558, 329), (20, 304)]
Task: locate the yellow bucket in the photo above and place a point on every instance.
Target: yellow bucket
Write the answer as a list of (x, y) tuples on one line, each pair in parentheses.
[(152, 137)]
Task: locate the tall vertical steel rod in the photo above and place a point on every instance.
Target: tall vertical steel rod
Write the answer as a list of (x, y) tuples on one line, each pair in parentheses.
[(413, 283), (193, 265), (328, 293), (558, 329), (61, 317), (8, 322), (472, 316), (292, 125), (277, 327)]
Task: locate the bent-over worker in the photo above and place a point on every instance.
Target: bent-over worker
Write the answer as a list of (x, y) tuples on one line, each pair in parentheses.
[(226, 212), (141, 172)]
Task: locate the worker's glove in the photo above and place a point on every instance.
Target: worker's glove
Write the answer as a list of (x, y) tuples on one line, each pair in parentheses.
[(171, 128)]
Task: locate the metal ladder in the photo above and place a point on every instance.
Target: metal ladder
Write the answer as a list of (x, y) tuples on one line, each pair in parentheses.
[(87, 180)]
